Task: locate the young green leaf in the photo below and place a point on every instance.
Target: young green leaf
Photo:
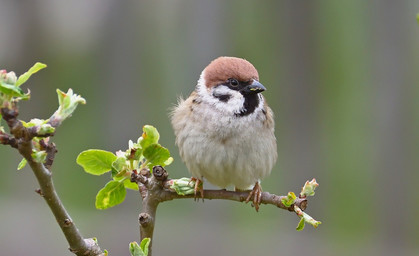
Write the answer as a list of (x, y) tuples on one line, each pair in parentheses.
[(140, 250), (22, 164), (35, 68), (156, 155), (43, 126), (289, 200), (130, 185), (135, 249), (168, 161), (112, 194), (68, 102), (39, 156), (150, 136), (308, 188), (96, 161), (34, 122), (305, 218), (144, 245), (11, 90), (119, 164), (301, 224)]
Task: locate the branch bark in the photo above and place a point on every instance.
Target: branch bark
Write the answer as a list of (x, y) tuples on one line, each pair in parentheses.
[(22, 140), (155, 189)]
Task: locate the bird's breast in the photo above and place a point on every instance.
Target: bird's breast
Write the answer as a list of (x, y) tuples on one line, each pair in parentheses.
[(227, 149)]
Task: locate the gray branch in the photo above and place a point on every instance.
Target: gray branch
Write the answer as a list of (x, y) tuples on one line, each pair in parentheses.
[(155, 189), (21, 138)]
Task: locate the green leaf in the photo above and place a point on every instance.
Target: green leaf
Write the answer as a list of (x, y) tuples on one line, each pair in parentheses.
[(301, 224), (144, 245), (35, 68), (289, 200), (168, 161), (139, 250), (96, 161), (305, 218), (112, 194), (43, 126), (11, 90), (150, 136), (130, 185), (39, 156), (22, 164), (119, 164), (308, 188), (156, 155), (135, 249), (68, 103), (45, 129), (34, 122)]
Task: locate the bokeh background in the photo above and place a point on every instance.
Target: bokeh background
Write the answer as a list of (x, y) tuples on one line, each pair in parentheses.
[(342, 79)]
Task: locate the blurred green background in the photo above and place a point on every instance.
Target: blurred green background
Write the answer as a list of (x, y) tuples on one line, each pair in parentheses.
[(342, 79)]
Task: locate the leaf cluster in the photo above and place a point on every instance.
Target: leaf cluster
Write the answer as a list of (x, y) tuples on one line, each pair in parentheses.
[(140, 250), (306, 190), (144, 154), (10, 90), (41, 129)]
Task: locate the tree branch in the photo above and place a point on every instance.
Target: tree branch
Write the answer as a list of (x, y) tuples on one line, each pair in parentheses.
[(155, 189), (22, 140)]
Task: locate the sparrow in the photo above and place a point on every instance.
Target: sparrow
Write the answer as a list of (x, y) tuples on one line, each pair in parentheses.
[(225, 128)]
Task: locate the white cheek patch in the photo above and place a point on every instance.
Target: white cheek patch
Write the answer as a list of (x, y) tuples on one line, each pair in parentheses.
[(232, 106), (234, 103), (221, 90)]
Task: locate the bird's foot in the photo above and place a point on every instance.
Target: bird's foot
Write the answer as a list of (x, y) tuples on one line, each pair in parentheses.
[(256, 194), (199, 187)]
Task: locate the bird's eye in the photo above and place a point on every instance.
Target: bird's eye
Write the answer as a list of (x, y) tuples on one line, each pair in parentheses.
[(233, 82)]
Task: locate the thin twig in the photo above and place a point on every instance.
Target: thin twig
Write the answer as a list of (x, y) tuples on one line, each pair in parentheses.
[(238, 196)]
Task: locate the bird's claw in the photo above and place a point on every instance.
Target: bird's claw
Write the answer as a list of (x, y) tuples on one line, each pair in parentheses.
[(198, 188), (256, 194)]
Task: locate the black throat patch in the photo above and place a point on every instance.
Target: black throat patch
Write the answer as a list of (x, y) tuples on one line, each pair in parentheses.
[(251, 101)]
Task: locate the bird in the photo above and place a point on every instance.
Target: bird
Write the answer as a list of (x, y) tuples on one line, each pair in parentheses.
[(225, 129)]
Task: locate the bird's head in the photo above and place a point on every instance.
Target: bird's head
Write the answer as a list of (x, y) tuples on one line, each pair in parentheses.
[(232, 85)]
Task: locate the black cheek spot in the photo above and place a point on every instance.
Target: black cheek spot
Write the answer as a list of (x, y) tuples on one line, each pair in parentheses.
[(222, 97)]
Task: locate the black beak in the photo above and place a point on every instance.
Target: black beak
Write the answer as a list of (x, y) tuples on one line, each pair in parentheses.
[(253, 88)]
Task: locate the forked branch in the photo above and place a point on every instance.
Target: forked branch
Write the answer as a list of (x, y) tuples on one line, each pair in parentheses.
[(156, 188)]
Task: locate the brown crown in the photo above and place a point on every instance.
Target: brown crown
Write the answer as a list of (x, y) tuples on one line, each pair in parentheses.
[(223, 68)]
